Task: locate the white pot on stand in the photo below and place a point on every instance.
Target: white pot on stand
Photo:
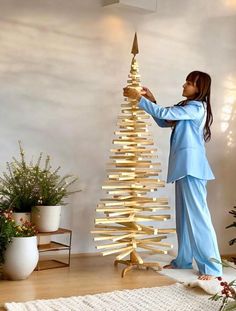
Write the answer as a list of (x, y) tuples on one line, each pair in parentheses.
[(46, 218), (17, 216), (21, 258)]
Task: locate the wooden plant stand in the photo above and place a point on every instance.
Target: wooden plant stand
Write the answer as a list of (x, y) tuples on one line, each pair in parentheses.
[(54, 246)]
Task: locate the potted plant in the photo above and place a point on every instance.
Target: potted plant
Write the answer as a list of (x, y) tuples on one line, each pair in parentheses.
[(36, 188), (18, 247), (17, 188), (52, 189)]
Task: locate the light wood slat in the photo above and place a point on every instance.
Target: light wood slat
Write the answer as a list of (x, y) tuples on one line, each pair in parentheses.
[(154, 209), (136, 170), (130, 127), (134, 123), (129, 112), (129, 227), (152, 218), (134, 157), (136, 202), (134, 177), (139, 153), (132, 143), (136, 209), (135, 131), (130, 187), (131, 218), (113, 245), (132, 204), (149, 230), (122, 178), (169, 230), (168, 245), (133, 149), (152, 239), (148, 165), (122, 237), (124, 254), (166, 216), (108, 230), (134, 139), (99, 210), (117, 250), (131, 178), (132, 133), (133, 192), (114, 220), (126, 161), (157, 251), (141, 182), (127, 117), (137, 257), (116, 237)]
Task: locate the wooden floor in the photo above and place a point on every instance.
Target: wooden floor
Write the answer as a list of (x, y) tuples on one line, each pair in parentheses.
[(86, 275)]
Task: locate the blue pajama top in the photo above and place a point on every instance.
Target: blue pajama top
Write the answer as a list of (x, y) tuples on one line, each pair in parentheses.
[(187, 147)]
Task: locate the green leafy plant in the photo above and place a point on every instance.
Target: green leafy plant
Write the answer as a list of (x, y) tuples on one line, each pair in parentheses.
[(26, 185), (9, 229), (52, 189), (233, 212)]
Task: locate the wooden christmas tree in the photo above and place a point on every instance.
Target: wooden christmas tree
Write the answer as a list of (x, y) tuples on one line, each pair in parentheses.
[(124, 227)]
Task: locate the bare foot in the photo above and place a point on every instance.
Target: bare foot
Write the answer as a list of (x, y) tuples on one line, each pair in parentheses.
[(206, 277), (168, 267)]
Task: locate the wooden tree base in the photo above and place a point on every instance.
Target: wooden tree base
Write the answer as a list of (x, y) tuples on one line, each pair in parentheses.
[(136, 265)]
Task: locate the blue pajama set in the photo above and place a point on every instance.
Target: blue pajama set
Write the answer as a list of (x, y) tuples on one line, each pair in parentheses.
[(190, 170)]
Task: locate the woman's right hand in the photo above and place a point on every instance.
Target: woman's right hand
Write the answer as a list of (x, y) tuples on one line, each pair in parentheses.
[(148, 94)]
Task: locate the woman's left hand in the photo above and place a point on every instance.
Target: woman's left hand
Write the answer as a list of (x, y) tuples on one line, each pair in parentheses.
[(131, 92)]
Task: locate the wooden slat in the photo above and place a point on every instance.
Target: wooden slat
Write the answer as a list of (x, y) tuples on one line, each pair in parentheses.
[(157, 251), (124, 254), (125, 249)]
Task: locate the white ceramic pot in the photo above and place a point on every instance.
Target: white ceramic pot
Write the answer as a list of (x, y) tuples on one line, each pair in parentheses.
[(21, 258), (18, 216), (46, 218), (44, 239)]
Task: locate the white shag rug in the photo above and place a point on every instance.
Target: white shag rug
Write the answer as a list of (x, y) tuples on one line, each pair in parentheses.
[(189, 277), (176, 297)]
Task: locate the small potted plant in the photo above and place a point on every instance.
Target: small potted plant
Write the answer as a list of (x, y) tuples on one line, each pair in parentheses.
[(18, 247), (52, 189), (17, 189)]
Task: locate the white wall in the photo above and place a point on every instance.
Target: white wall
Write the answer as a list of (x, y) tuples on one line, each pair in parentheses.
[(62, 68)]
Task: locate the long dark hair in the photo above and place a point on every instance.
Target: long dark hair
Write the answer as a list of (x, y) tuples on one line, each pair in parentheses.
[(203, 83)]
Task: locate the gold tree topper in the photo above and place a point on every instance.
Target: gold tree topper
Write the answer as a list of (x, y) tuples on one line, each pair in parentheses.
[(135, 50)]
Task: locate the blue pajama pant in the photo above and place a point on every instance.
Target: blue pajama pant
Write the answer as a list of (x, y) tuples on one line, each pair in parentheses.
[(195, 232)]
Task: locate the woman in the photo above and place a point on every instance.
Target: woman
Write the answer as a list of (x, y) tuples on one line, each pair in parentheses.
[(189, 169)]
